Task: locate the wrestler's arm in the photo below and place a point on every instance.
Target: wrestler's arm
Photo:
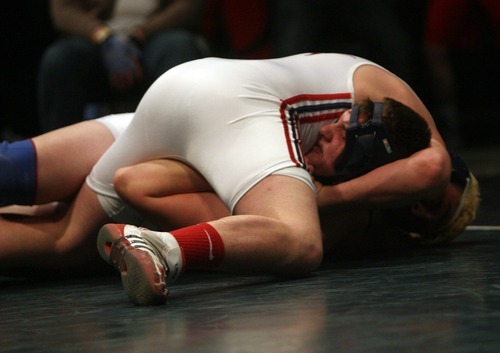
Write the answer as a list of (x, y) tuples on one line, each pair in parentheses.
[(169, 194), (401, 183), (404, 182)]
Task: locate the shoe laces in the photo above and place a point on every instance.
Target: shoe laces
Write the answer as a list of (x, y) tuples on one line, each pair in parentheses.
[(128, 241)]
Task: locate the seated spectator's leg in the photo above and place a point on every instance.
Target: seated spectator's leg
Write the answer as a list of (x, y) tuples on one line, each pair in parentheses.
[(171, 48), (70, 75)]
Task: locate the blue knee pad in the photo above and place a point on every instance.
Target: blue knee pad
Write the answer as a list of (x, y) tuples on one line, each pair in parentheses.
[(17, 173)]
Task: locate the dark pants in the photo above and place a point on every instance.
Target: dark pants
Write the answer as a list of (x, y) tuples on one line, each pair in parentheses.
[(71, 75)]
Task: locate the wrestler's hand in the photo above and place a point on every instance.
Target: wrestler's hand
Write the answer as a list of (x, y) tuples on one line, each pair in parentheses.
[(323, 198), (318, 186)]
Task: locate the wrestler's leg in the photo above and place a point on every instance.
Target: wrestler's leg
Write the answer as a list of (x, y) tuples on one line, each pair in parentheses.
[(64, 240), (276, 229), (51, 167), (169, 194), (66, 156)]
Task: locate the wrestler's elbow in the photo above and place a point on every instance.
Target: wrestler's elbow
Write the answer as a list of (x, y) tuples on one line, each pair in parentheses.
[(434, 172)]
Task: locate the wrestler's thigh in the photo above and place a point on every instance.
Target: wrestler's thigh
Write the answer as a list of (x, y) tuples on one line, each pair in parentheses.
[(285, 199), (66, 156)]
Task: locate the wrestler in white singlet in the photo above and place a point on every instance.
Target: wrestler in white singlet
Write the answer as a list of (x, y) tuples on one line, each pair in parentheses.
[(235, 121)]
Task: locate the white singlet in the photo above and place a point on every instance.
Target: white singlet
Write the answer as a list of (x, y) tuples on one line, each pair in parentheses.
[(235, 121), (116, 123)]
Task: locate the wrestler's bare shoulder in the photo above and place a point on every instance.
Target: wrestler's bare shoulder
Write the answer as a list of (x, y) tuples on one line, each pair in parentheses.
[(374, 82)]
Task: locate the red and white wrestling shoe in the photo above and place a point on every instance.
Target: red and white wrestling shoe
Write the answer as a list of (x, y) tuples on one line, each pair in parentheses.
[(146, 259)]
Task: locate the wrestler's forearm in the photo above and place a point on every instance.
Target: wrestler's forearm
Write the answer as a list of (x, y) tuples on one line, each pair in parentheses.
[(398, 184)]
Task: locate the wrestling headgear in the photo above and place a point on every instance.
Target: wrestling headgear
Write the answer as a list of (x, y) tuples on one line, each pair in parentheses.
[(459, 172), (367, 146), (465, 213)]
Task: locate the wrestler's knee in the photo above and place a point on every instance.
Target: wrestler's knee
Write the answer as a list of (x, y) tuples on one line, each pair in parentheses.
[(305, 251)]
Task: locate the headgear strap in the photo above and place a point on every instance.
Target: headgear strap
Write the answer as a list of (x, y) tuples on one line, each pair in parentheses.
[(367, 146)]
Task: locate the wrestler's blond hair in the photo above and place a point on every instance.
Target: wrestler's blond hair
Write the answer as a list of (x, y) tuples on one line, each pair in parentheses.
[(464, 216)]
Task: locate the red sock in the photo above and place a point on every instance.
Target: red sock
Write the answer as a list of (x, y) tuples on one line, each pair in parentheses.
[(201, 246)]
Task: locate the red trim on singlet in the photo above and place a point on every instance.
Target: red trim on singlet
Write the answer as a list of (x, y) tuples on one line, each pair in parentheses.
[(321, 117), (289, 143), (317, 97), (309, 108)]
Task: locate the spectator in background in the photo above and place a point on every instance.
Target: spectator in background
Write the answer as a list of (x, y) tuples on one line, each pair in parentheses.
[(461, 45), (374, 29), (239, 29), (112, 51)]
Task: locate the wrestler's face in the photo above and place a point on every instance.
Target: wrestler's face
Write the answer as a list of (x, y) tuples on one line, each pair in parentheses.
[(321, 159), (426, 217), (434, 214)]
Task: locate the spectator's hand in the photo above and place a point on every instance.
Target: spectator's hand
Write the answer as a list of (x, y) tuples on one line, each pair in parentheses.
[(121, 58)]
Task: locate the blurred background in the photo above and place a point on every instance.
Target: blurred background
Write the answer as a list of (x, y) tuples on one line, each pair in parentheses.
[(447, 50)]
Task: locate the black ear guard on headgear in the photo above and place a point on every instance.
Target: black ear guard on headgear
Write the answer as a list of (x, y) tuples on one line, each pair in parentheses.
[(459, 172), (367, 146)]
